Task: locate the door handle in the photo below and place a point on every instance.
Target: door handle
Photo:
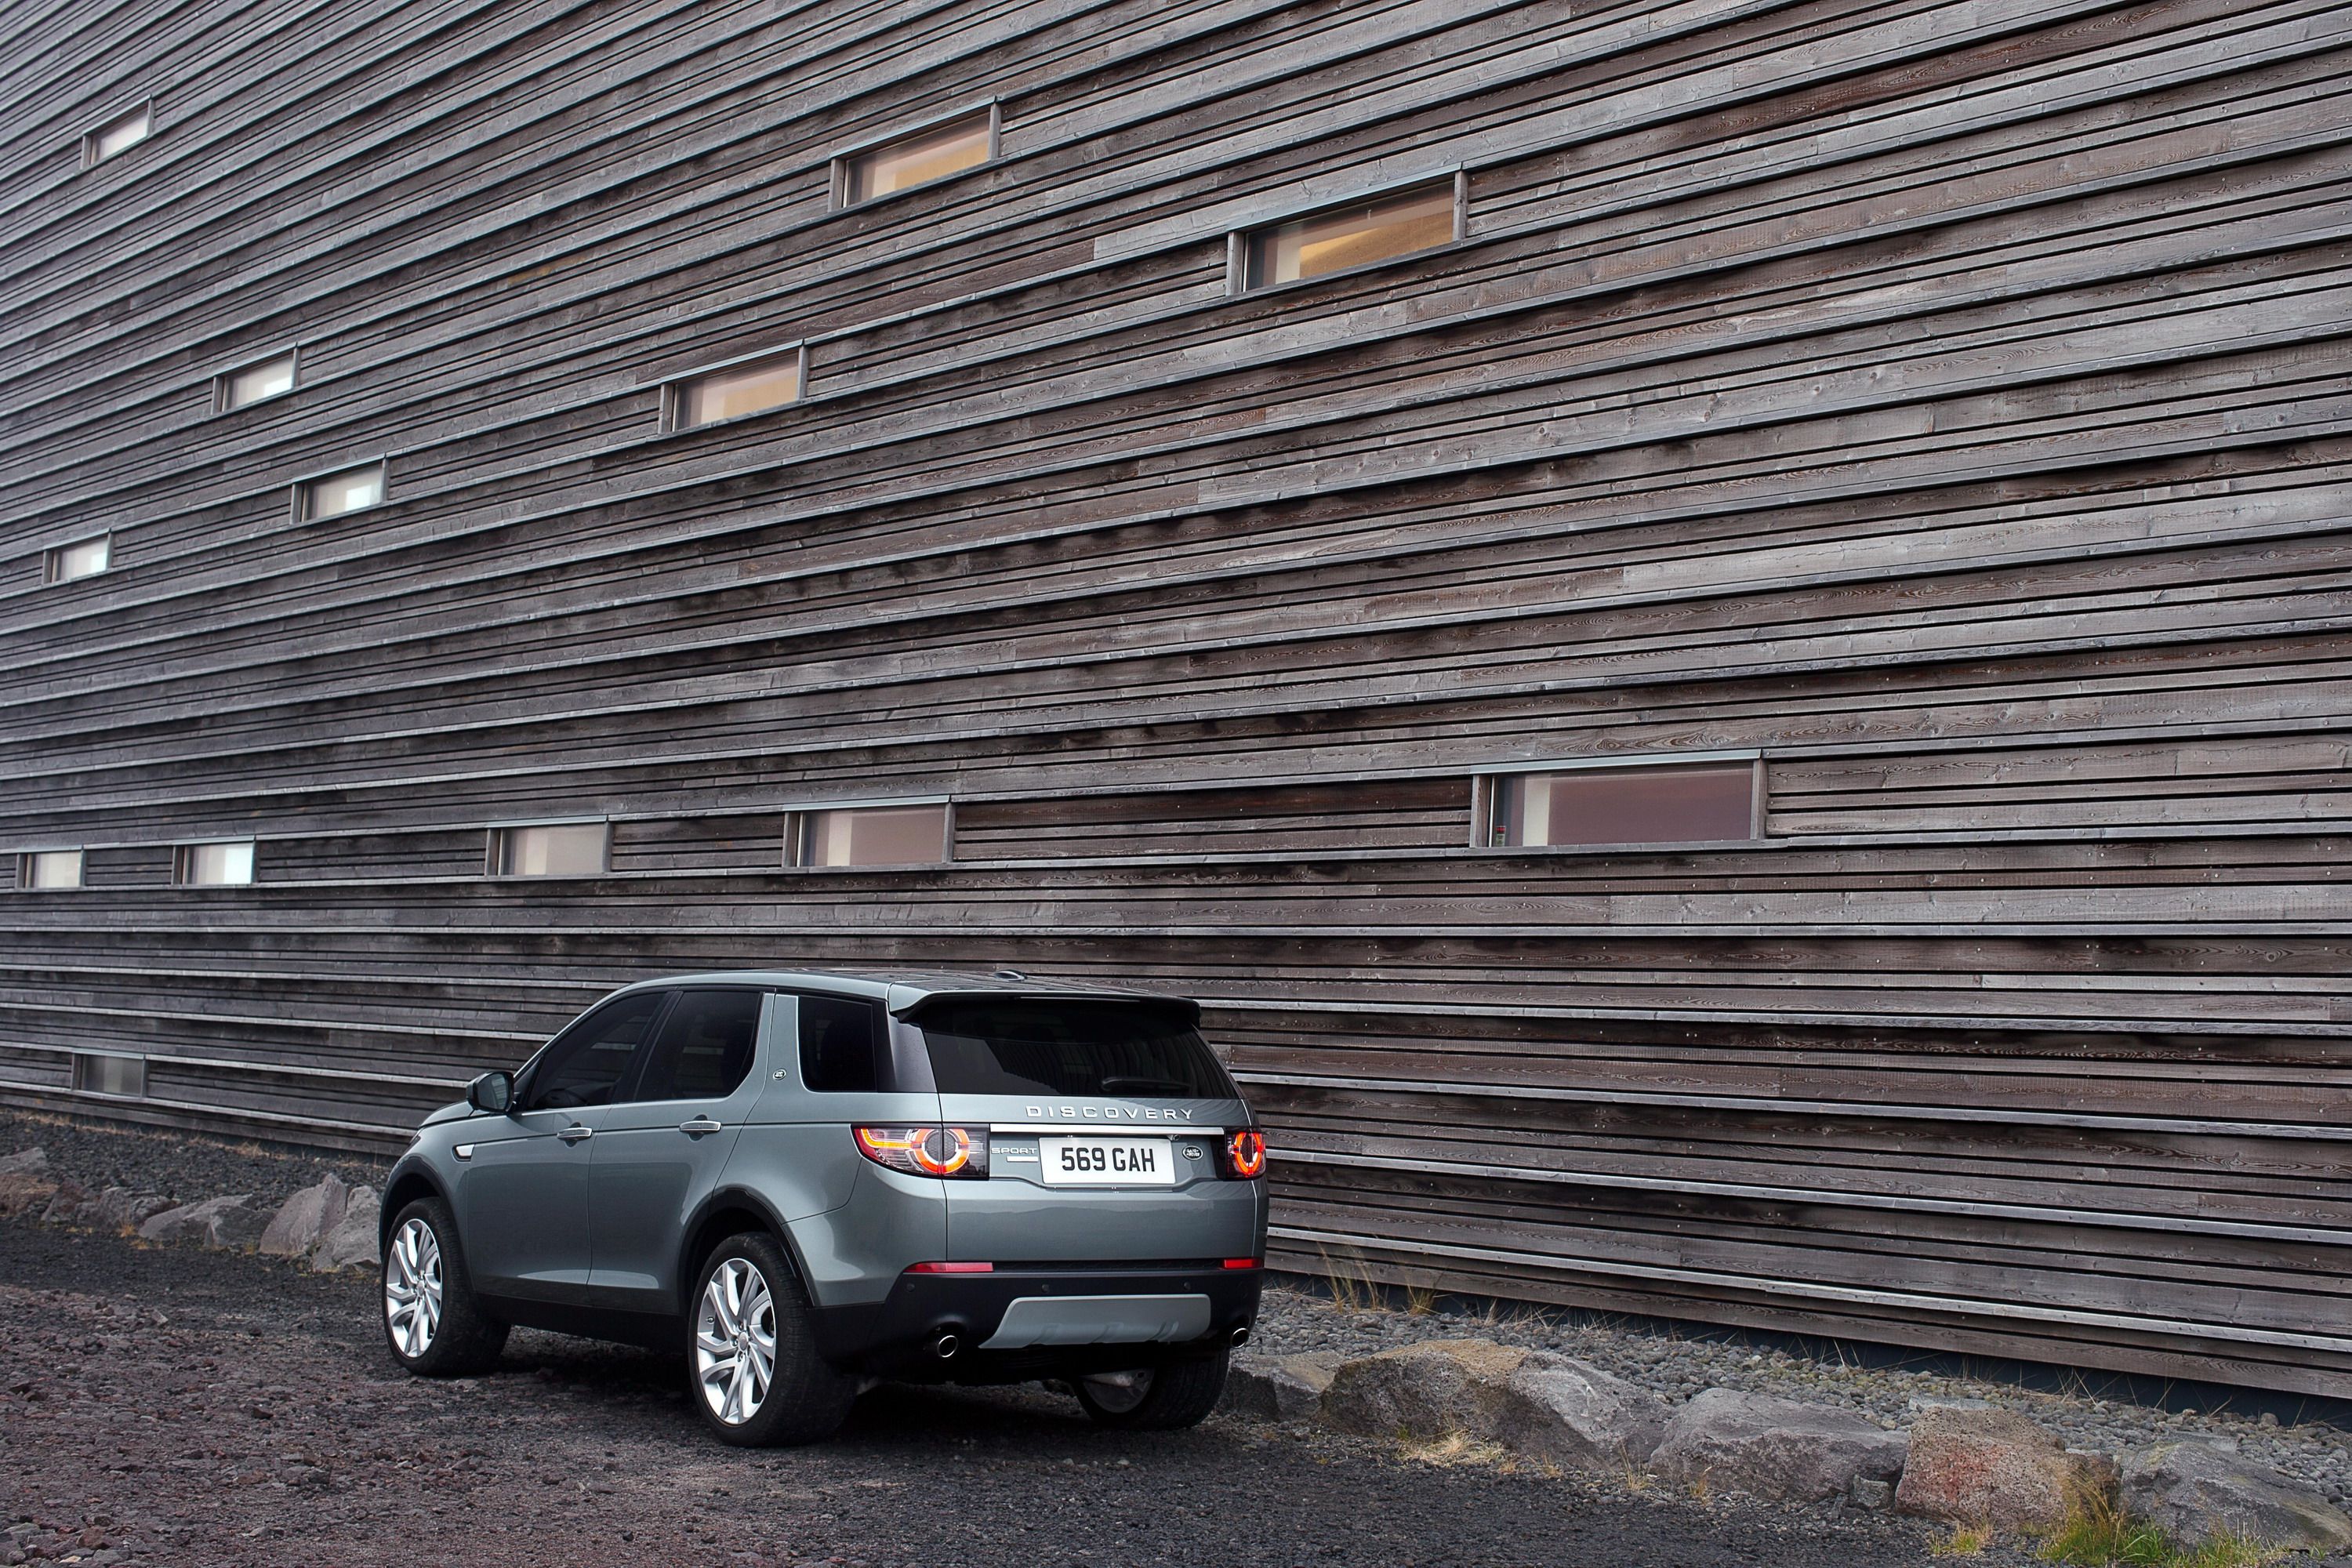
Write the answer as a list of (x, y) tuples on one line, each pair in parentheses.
[(573, 1133), (699, 1125)]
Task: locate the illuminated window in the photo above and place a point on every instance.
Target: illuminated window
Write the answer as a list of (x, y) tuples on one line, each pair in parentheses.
[(84, 558), (354, 490), (1649, 803), (916, 159), (96, 1073), (548, 849), (213, 865), (1356, 235), (271, 378), (116, 136), (49, 868), (751, 386), (869, 835)]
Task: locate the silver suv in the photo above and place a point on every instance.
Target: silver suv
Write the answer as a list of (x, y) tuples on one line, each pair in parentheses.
[(812, 1182)]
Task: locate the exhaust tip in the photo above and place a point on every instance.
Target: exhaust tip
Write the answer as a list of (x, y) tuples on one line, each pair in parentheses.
[(946, 1346), (1240, 1335)]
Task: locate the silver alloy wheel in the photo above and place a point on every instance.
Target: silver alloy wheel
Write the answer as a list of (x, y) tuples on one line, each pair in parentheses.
[(412, 1288), (735, 1340), (1118, 1391)]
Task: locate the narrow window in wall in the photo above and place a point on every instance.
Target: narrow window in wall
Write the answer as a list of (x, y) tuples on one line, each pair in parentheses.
[(83, 558), (1355, 234), (548, 849), (103, 1074), (913, 834), (1662, 802), (332, 495), (748, 386), (917, 158), (117, 136), (213, 865), (256, 382), (48, 868)]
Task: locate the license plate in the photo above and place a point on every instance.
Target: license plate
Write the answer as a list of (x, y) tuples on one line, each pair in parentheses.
[(1107, 1162)]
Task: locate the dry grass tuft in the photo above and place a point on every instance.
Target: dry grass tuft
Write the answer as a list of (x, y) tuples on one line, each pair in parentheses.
[(1965, 1541), (1456, 1450)]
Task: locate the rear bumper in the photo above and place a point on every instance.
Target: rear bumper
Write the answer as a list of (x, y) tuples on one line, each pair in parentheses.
[(1067, 1318)]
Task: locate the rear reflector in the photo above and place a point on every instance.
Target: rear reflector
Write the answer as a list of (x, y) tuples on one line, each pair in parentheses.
[(1241, 1262), (957, 1268)]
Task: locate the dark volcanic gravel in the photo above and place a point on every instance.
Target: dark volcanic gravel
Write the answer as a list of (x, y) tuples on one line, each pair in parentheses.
[(97, 1154), (171, 1407)]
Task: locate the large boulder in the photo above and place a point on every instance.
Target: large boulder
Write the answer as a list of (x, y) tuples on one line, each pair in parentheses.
[(1278, 1388), (1994, 1468), (1775, 1449), (303, 1220), (115, 1209), (352, 1243), (25, 1184), (1536, 1403), (33, 1162), (229, 1221), (2197, 1490)]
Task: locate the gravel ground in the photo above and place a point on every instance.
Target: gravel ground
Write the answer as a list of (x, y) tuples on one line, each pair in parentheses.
[(2313, 1451), (97, 1155), (179, 1408)]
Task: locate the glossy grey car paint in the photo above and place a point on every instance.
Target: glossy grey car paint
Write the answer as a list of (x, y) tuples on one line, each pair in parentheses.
[(594, 1218)]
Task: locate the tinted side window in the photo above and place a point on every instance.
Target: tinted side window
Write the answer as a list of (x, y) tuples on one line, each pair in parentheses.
[(705, 1046), (840, 1044), (585, 1064)]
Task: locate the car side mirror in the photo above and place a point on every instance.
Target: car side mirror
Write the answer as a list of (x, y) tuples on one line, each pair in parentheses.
[(493, 1093)]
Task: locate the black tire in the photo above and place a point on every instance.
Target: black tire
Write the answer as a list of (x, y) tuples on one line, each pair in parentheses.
[(807, 1397), (463, 1341), (1179, 1394)]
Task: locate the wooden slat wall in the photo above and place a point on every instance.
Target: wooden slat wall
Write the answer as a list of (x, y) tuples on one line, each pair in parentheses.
[(1947, 402)]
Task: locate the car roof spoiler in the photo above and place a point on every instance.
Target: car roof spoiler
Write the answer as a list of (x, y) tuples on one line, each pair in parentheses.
[(1180, 1008)]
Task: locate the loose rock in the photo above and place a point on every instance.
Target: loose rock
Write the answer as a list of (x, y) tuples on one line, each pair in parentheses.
[(304, 1219), (115, 1209), (2196, 1490), (352, 1244), (1995, 1468), (33, 1162), (1278, 1388), (1775, 1449), (1529, 1401), (24, 1191), (226, 1222)]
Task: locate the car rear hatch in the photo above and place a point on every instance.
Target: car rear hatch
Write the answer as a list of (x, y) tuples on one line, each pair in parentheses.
[(1107, 1125)]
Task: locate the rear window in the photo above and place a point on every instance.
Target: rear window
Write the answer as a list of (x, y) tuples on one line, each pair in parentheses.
[(1081, 1050)]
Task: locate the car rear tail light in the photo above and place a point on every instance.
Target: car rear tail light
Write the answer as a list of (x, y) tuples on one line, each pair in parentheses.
[(1245, 1154), (1240, 1263), (959, 1151), (952, 1268)]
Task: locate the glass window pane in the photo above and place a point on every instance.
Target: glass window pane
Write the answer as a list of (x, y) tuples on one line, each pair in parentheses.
[(585, 1065), (348, 491), (1702, 803), (753, 389), (216, 865), (1351, 236), (873, 836), (916, 160), (87, 559), (127, 132), (53, 869), (564, 849), (840, 1045), (97, 1074), (258, 382), (1089, 1049), (705, 1046)]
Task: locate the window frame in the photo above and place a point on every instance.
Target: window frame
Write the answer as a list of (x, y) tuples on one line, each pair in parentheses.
[(53, 560), (1483, 796), (837, 169), (1237, 240), (182, 853), (301, 502), (796, 812), (25, 859), (223, 379), (91, 157), (494, 843), (675, 390), (83, 1060)]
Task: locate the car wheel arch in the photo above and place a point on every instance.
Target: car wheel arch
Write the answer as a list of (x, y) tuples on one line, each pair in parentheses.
[(719, 1216), (405, 1188)]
